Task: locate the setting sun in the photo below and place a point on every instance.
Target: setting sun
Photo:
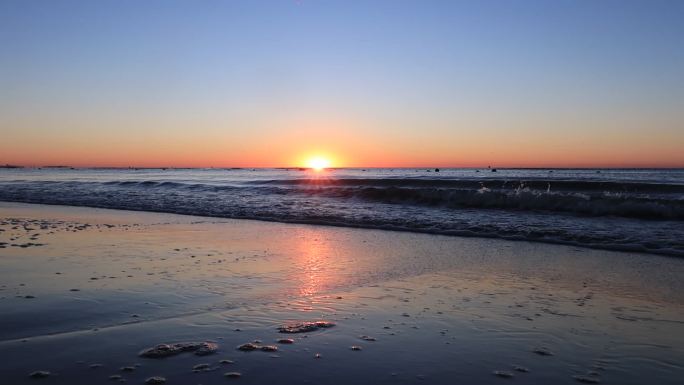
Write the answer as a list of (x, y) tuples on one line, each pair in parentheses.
[(318, 163)]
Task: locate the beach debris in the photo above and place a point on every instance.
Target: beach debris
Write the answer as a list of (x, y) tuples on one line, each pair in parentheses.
[(167, 350), (156, 380), (356, 347), (503, 374), (232, 374), (304, 327), (587, 379), (542, 351), (40, 374), (286, 341)]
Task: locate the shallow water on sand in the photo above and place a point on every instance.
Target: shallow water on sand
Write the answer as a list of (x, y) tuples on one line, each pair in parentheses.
[(440, 309)]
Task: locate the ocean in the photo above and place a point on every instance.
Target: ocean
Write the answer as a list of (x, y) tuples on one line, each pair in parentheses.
[(638, 210)]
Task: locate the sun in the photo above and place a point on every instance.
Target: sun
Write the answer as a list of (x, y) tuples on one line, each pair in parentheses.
[(318, 163)]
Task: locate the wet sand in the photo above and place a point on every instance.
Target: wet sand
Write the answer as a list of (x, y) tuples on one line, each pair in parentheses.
[(85, 292)]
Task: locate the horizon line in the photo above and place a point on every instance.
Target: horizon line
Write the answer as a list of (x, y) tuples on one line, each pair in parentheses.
[(430, 167)]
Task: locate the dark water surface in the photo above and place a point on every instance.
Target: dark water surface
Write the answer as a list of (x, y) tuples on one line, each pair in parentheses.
[(614, 209)]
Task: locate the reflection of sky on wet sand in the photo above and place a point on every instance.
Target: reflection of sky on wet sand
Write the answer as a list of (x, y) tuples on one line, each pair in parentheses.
[(469, 306), (314, 256)]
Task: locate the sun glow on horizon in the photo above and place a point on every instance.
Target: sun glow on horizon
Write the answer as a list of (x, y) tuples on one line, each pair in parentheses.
[(318, 163)]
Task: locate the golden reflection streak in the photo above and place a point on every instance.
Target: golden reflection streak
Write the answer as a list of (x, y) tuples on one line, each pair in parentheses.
[(314, 255)]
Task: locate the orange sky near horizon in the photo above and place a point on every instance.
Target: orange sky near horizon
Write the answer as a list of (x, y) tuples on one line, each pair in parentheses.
[(289, 140), (342, 151)]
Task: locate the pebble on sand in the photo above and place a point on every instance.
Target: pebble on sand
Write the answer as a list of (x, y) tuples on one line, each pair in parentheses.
[(304, 327), (156, 380), (286, 341), (503, 374), (542, 351), (201, 368), (40, 374), (248, 347), (167, 350), (269, 348)]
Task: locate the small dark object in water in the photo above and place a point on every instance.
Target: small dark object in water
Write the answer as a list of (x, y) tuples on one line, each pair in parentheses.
[(156, 380), (232, 375), (304, 327), (40, 374), (493, 170), (286, 341), (503, 374), (167, 350), (317, 355), (587, 380), (542, 351), (436, 170)]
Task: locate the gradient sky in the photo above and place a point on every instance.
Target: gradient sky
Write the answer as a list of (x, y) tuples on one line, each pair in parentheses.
[(366, 83)]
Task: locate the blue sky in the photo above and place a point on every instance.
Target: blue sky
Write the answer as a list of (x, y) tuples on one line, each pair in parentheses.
[(410, 82)]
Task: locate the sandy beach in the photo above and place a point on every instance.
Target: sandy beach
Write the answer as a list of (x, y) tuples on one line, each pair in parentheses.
[(84, 291)]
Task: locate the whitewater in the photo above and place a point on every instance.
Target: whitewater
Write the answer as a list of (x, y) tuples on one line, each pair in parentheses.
[(616, 209)]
